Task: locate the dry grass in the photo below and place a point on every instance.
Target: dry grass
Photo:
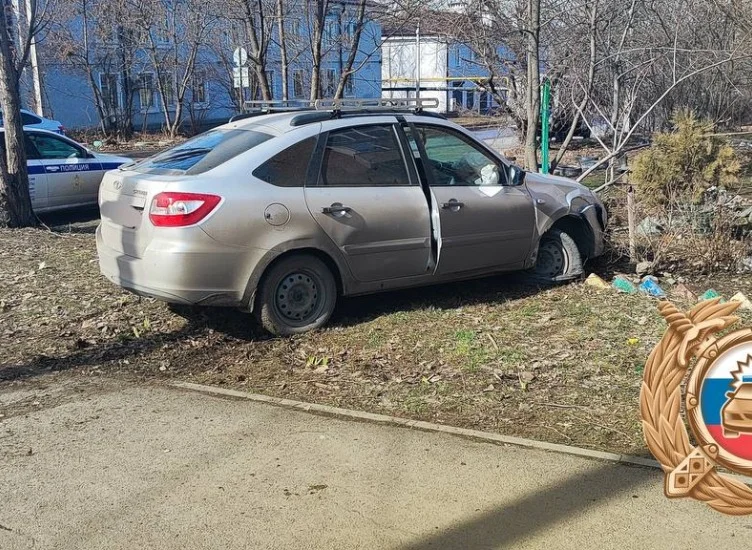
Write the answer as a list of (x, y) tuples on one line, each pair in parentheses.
[(558, 364)]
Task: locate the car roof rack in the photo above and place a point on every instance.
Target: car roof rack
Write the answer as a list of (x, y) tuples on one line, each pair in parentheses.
[(326, 109), (414, 104), (267, 107)]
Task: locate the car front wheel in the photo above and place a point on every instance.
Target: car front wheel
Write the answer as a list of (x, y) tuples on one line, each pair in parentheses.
[(296, 295), (558, 258)]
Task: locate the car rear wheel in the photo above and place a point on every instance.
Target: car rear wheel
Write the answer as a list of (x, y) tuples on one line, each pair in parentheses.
[(558, 259), (296, 295)]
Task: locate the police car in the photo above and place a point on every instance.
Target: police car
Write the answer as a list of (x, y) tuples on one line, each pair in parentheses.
[(62, 173)]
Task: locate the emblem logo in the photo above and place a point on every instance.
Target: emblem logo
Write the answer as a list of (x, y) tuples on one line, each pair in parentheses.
[(718, 404), (117, 184)]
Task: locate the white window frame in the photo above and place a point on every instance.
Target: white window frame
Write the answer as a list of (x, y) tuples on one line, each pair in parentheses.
[(162, 36), (196, 84), (349, 86), (170, 80), (152, 107), (330, 30), (302, 74), (118, 90), (327, 82), (296, 27)]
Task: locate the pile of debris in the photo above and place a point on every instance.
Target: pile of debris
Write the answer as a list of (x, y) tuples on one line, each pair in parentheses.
[(650, 286)]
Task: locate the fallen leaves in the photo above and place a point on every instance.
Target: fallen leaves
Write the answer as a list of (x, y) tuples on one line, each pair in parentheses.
[(482, 354)]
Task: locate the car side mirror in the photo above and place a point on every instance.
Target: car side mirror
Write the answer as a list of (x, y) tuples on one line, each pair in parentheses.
[(516, 175)]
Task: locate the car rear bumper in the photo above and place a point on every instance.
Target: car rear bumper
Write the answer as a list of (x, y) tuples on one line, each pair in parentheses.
[(207, 274)]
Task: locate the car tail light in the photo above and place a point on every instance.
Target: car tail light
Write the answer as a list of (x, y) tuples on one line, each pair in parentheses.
[(181, 209)]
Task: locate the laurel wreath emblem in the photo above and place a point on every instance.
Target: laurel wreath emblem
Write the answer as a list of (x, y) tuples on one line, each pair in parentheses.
[(690, 471)]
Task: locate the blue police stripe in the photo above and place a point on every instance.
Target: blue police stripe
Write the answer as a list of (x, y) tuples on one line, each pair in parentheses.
[(68, 168)]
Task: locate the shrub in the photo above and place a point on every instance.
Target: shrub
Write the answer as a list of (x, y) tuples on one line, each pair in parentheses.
[(680, 165)]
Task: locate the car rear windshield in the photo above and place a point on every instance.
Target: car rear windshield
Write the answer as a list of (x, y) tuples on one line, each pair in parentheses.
[(203, 152)]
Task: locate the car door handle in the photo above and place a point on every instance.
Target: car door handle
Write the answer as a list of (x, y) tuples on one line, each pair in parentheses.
[(336, 209), (452, 205)]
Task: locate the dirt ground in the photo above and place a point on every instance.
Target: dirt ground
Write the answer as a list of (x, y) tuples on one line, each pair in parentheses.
[(561, 364)]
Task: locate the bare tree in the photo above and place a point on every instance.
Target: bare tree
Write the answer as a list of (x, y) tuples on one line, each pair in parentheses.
[(283, 57), (15, 200), (532, 89), (317, 14), (99, 40), (175, 32), (347, 70)]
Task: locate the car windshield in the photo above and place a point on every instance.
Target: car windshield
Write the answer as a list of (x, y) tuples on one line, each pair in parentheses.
[(203, 152)]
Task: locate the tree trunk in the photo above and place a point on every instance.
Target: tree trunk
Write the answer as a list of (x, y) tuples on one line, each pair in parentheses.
[(347, 70), (257, 53), (15, 201), (282, 48), (532, 93), (319, 21), (580, 108)]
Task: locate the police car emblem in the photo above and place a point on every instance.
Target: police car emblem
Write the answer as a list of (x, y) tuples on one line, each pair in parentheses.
[(718, 402)]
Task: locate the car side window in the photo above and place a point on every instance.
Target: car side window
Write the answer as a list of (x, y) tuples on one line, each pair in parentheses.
[(50, 147), (453, 160), (363, 156), (31, 149), (288, 168), (27, 119)]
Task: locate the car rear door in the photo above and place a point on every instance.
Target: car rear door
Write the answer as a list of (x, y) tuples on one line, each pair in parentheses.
[(73, 176), (483, 222), (37, 175), (364, 198)]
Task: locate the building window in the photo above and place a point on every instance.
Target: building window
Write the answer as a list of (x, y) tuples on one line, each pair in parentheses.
[(108, 87), (270, 82), (162, 35), (350, 85), (330, 31), (198, 87), (168, 88), (298, 83), (329, 86), (350, 29), (146, 90)]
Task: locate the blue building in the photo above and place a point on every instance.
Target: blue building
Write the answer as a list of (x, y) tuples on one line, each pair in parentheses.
[(115, 78)]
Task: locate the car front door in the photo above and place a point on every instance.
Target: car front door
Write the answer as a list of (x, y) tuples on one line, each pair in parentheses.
[(73, 177), (484, 223), (364, 198)]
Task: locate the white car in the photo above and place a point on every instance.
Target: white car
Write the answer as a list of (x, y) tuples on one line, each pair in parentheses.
[(31, 120), (63, 173)]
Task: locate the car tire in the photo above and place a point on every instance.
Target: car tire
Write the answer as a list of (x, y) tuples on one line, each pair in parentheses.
[(296, 294), (558, 258)]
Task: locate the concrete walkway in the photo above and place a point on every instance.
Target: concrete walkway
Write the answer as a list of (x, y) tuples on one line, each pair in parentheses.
[(154, 467)]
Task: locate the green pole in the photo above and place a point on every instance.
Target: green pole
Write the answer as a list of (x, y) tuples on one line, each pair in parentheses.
[(545, 115)]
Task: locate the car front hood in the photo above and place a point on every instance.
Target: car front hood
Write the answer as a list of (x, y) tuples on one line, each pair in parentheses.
[(112, 159), (555, 196)]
